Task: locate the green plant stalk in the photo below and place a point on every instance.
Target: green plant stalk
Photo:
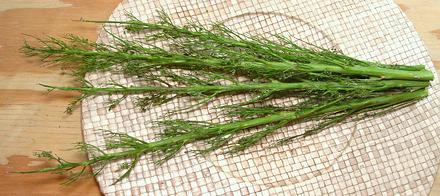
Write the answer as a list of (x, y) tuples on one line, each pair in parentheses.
[(204, 133), (371, 85), (166, 25), (264, 67), (416, 72), (375, 71), (295, 115)]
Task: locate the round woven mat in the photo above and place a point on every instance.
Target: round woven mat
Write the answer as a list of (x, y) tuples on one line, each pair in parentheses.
[(394, 153)]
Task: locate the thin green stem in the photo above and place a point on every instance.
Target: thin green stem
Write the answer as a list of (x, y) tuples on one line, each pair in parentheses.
[(250, 87), (256, 66), (214, 130)]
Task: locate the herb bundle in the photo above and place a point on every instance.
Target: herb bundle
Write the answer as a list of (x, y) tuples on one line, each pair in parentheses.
[(204, 63)]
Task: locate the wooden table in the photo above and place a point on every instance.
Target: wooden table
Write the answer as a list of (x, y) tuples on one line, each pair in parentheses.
[(31, 120)]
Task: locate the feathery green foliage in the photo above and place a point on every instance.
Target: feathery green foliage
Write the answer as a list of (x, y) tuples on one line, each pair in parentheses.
[(203, 63)]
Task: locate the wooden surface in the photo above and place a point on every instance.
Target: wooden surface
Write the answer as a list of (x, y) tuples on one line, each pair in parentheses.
[(31, 120)]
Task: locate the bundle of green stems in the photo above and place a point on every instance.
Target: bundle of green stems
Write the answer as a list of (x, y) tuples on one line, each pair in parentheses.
[(204, 63)]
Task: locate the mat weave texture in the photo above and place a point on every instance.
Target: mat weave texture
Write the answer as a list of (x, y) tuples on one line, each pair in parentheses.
[(394, 153)]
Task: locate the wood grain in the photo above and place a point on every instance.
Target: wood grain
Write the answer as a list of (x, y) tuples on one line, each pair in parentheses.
[(30, 120), (17, 4)]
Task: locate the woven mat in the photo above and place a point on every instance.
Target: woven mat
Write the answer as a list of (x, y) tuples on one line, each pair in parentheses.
[(394, 153)]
